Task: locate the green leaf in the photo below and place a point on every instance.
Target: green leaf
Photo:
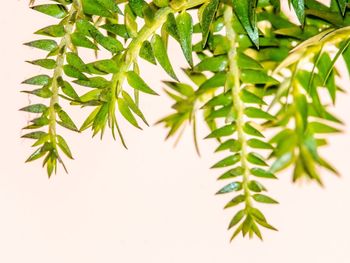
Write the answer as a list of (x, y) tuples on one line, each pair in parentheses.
[(36, 155), (213, 64), (255, 186), (111, 44), (117, 29), (245, 11), (75, 61), (258, 144), (90, 119), (133, 106), (44, 44), (220, 100), (299, 8), (207, 19), (137, 6), (256, 77), (44, 92), (218, 80), (161, 55), (95, 82), (137, 83), (79, 40), (61, 142), (34, 135), (249, 97), (130, 22), (343, 5), (257, 113), (254, 158), (66, 121), (161, 3), (171, 27), (93, 7), (57, 11), (264, 199), (44, 63), (232, 173), (73, 72), (185, 29), (231, 144), (234, 186), (100, 119), (320, 128), (127, 114), (181, 88), (237, 218), (249, 129), (111, 5), (246, 62), (282, 162), (35, 108), (106, 65), (302, 110), (52, 31), (228, 161), (258, 172), (223, 131), (235, 201), (69, 90), (146, 52), (40, 80)]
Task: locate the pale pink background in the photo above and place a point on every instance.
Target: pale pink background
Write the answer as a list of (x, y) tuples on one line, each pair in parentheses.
[(152, 203)]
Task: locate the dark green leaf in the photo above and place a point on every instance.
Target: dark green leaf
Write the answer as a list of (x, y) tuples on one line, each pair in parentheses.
[(232, 173), (132, 105), (223, 131), (228, 161), (127, 114), (75, 61), (57, 11), (235, 186), (93, 7), (213, 64), (52, 31), (258, 144), (161, 55), (185, 29), (254, 158), (245, 11), (235, 201), (237, 218), (258, 172), (61, 142), (45, 63), (264, 199), (207, 19), (73, 72), (35, 108), (40, 80), (44, 44), (257, 113), (95, 82), (146, 52), (137, 83), (249, 129)]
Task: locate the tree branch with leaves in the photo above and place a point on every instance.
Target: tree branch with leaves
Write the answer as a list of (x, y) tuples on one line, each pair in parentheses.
[(253, 73)]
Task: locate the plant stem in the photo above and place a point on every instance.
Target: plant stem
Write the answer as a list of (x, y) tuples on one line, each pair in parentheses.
[(233, 81), (132, 51), (62, 48)]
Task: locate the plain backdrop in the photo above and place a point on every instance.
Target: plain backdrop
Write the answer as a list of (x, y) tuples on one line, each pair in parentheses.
[(152, 203)]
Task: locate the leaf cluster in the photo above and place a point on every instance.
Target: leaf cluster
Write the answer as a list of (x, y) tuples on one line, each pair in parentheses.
[(251, 72)]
